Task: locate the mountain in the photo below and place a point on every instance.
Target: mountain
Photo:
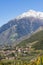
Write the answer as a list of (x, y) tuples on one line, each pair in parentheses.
[(17, 29)]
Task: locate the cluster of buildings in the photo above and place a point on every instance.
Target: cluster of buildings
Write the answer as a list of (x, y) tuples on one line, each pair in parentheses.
[(14, 53)]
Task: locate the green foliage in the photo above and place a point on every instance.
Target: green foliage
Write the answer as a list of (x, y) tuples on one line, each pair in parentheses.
[(35, 37), (36, 61), (38, 45)]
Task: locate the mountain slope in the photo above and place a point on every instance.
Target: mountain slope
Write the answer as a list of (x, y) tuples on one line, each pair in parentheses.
[(35, 41)]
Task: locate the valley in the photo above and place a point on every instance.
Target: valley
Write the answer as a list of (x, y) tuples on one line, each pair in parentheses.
[(24, 53)]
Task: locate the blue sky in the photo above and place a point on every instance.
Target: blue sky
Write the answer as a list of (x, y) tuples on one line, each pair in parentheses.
[(9, 9)]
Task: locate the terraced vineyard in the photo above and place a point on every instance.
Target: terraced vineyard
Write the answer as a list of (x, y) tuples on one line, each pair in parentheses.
[(37, 61)]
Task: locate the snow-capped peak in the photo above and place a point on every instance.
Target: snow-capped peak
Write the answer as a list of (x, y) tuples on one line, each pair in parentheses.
[(31, 13)]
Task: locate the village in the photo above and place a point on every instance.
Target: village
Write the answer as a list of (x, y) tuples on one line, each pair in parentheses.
[(14, 53)]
